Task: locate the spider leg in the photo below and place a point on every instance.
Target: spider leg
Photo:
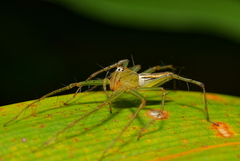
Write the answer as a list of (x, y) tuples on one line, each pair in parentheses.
[(121, 62), (105, 82), (200, 84), (135, 68), (91, 89), (160, 78), (161, 107), (116, 94), (143, 103), (70, 86)]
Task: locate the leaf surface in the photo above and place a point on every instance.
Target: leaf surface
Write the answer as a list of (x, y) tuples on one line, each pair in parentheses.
[(183, 135)]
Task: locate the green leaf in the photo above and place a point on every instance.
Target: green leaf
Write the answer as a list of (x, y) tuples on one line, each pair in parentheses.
[(216, 17), (184, 134)]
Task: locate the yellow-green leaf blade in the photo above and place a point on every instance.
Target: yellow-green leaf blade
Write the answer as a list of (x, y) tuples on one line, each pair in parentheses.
[(185, 134)]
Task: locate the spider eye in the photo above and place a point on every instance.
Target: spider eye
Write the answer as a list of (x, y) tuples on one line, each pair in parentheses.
[(119, 69)]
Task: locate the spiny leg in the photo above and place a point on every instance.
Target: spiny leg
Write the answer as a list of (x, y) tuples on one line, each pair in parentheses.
[(161, 78), (121, 62), (91, 89), (175, 76), (70, 86), (143, 103), (135, 68), (161, 107), (105, 82), (116, 94)]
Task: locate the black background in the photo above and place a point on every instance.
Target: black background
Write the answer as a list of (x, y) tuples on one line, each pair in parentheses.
[(44, 46)]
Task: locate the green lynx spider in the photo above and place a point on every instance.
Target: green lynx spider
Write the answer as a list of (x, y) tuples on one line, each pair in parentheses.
[(122, 80)]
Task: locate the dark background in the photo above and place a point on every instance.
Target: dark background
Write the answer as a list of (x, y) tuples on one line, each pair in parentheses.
[(44, 46)]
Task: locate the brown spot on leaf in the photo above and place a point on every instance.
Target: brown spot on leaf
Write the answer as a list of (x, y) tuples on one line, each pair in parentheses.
[(154, 113), (214, 97), (42, 126), (102, 119), (75, 139), (123, 141), (24, 140), (222, 130), (21, 105), (49, 115), (130, 116), (183, 105), (13, 140)]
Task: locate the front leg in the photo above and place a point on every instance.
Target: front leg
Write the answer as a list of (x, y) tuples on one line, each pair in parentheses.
[(105, 83), (121, 62)]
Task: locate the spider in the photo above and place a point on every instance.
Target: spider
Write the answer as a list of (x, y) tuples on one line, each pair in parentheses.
[(124, 79)]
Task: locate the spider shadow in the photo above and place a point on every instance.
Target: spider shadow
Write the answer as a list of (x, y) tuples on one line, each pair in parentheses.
[(202, 110), (83, 132), (160, 124), (48, 110), (126, 105), (119, 105), (134, 104)]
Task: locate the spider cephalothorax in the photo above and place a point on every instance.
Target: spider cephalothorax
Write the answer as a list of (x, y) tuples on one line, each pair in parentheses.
[(124, 78)]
